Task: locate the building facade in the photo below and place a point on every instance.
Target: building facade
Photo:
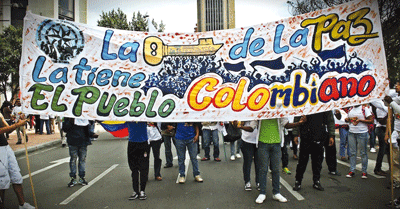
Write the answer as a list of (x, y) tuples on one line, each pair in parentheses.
[(215, 15)]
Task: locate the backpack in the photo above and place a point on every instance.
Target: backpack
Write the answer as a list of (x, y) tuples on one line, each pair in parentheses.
[(233, 133)]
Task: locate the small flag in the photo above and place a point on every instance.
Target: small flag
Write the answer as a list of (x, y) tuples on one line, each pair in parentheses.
[(116, 128), (336, 53)]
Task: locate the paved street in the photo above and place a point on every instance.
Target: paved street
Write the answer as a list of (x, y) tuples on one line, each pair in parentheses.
[(110, 183)]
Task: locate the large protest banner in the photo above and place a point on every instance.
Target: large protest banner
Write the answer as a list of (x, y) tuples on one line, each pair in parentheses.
[(310, 63)]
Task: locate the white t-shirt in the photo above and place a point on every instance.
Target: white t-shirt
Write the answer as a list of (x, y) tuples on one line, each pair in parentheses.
[(153, 134), (250, 137), (17, 111), (357, 112), (44, 117)]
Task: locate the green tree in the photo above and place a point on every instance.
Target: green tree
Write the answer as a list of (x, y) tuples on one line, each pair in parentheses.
[(10, 57), (118, 20), (390, 13)]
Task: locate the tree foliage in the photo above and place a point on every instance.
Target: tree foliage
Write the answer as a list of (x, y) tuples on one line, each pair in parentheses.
[(390, 13), (118, 20), (10, 57)]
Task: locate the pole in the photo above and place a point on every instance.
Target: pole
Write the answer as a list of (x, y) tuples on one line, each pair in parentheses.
[(389, 134), (28, 165)]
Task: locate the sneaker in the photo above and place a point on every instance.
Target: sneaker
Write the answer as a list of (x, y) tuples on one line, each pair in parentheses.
[(26, 206), (217, 159), (364, 176), (351, 174), (317, 186), (260, 199), (205, 159), (82, 181), (372, 150), (238, 156), (334, 173), (279, 197), (197, 157), (344, 159), (134, 196), (380, 173), (247, 186), (72, 182), (396, 185), (286, 170), (142, 195), (233, 157), (168, 166), (295, 157), (258, 186), (182, 180), (198, 179), (158, 178), (396, 203), (297, 186)]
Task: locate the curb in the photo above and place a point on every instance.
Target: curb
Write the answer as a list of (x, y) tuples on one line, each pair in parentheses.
[(21, 152)]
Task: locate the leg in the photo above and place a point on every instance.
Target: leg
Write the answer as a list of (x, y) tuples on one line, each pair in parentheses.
[(275, 156), (263, 160), (207, 141), (343, 141), (144, 161), (20, 193), (47, 126), (380, 132), (14, 173), (155, 146), (372, 138), (168, 151), (303, 161), (330, 155), (73, 153), (82, 152), (2, 198), (232, 148), (215, 139), (238, 146), (317, 156), (362, 140), (19, 130), (181, 151), (192, 148), (248, 153), (285, 155), (353, 150), (133, 165)]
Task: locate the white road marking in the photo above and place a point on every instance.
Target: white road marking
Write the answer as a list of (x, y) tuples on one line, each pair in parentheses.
[(77, 193), (57, 163), (290, 189)]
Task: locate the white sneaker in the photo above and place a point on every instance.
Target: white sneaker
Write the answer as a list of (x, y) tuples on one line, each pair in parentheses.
[(279, 198), (198, 157), (182, 180), (373, 150), (238, 156), (247, 186), (26, 206), (260, 199), (233, 157)]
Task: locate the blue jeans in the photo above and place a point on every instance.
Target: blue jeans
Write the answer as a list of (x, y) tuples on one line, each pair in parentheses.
[(361, 140), (168, 151), (207, 134), (269, 153), (372, 138), (74, 153), (47, 126), (343, 132), (181, 146), (249, 151)]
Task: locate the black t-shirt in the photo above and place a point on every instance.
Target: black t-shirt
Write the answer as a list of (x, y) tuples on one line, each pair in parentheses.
[(3, 140)]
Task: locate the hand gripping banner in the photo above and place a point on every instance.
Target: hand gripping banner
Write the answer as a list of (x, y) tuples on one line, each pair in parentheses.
[(306, 64)]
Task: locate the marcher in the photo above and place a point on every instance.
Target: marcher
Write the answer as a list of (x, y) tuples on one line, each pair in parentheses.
[(380, 110), (138, 158), (17, 114), (232, 135), (168, 135), (44, 120), (210, 133), (330, 155), (187, 134), (343, 133), (78, 134), (358, 118), (9, 165), (313, 134), (271, 134), (6, 110), (59, 121), (155, 140), (249, 150)]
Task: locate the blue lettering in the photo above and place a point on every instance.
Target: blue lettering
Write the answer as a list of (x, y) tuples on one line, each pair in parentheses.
[(38, 67), (80, 68), (303, 41), (233, 54), (277, 40), (132, 54), (103, 76), (255, 47), (53, 76), (106, 43), (135, 79)]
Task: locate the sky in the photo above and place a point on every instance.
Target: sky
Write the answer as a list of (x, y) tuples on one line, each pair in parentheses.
[(181, 15)]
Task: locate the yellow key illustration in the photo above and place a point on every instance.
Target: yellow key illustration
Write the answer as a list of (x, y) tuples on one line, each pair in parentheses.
[(155, 49)]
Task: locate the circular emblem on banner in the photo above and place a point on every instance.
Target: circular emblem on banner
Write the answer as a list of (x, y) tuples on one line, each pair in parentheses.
[(60, 40)]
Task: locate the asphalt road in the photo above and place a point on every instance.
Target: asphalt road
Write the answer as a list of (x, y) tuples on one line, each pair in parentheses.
[(110, 183)]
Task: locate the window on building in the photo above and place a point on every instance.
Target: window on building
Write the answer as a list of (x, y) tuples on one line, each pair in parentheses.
[(66, 9)]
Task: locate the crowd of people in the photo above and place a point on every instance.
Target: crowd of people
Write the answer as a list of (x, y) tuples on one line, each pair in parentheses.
[(263, 142)]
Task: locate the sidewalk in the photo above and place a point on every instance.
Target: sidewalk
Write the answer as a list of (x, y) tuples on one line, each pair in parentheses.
[(35, 141)]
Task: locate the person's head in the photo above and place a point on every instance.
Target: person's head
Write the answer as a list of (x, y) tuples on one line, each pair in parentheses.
[(397, 86), (17, 102)]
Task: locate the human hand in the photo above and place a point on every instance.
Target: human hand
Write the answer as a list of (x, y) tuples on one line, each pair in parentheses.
[(303, 119), (331, 141), (296, 140), (388, 99)]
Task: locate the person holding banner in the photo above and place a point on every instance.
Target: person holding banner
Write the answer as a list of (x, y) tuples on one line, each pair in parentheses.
[(313, 134), (359, 117), (9, 169), (138, 158), (210, 132), (340, 115), (155, 140), (168, 135), (380, 110), (187, 134)]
